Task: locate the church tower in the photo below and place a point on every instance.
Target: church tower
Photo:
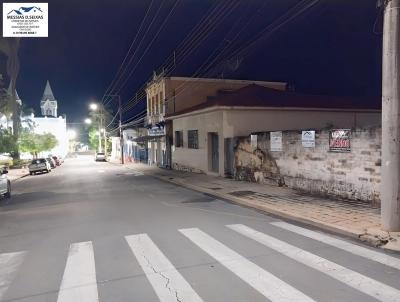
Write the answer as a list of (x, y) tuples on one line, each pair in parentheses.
[(48, 104), (9, 91)]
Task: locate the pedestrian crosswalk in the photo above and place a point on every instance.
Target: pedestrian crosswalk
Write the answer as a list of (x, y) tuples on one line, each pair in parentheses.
[(9, 264), (267, 284), (367, 285), (79, 280), (169, 282), (341, 244)]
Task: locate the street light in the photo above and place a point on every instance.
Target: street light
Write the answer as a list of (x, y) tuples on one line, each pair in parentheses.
[(88, 121), (93, 106)]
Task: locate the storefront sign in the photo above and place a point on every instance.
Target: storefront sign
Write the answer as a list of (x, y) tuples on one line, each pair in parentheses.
[(156, 131), (339, 140), (276, 141), (308, 139)]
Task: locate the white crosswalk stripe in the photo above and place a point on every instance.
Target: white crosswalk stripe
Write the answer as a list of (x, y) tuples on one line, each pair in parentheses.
[(267, 284), (79, 281), (167, 282), (342, 244), (9, 264), (356, 280)]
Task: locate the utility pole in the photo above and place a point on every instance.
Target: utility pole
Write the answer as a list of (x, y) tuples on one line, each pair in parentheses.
[(121, 138), (390, 186), (105, 141), (100, 128)]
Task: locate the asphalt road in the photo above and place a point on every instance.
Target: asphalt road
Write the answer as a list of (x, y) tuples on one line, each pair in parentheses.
[(99, 232)]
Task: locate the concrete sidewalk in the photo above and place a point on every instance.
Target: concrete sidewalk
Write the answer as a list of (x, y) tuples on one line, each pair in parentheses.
[(14, 174), (350, 218)]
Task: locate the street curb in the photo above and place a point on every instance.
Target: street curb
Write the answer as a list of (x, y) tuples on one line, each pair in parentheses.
[(359, 236), (262, 208), (19, 177)]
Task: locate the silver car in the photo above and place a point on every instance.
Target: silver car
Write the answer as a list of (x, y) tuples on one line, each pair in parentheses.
[(39, 165), (5, 184), (100, 156)]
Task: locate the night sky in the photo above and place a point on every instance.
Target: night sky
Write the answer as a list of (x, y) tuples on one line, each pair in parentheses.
[(334, 48)]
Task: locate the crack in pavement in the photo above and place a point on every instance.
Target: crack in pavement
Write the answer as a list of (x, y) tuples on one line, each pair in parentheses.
[(165, 277)]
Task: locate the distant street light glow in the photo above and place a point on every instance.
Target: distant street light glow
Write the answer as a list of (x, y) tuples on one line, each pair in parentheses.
[(71, 134), (88, 121), (93, 106)]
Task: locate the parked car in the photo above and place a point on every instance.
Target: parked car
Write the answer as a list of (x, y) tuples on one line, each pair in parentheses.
[(57, 160), (5, 184), (39, 165), (52, 162), (100, 156)]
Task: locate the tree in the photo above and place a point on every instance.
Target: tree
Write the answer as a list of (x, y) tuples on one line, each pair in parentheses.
[(10, 47), (47, 141), (5, 100), (34, 143), (93, 137), (7, 142), (101, 118)]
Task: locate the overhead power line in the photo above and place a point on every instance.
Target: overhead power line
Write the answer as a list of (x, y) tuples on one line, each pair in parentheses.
[(123, 65)]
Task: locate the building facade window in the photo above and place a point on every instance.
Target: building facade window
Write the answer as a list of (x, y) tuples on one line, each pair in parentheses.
[(193, 139), (178, 139), (161, 103), (157, 105)]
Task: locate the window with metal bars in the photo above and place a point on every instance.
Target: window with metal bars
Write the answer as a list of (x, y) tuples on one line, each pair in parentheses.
[(178, 139), (193, 139)]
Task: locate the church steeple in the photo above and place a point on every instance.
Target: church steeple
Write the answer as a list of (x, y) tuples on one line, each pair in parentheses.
[(48, 93), (48, 104), (9, 91)]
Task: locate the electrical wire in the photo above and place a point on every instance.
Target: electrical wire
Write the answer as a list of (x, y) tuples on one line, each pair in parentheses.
[(129, 50), (149, 45)]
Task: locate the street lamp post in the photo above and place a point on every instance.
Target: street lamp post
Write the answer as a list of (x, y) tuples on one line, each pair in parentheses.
[(121, 138), (95, 107)]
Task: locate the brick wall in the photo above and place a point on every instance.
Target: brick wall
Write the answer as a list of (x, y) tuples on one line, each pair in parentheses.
[(355, 175)]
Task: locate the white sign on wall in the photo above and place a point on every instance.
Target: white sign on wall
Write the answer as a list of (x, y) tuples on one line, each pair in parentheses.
[(253, 139), (25, 19), (276, 141), (308, 139)]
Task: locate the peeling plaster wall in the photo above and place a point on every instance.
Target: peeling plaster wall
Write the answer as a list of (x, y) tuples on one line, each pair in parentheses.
[(355, 175)]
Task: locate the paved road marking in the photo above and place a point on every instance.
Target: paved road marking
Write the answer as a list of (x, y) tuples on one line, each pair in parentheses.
[(267, 284), (342, 244), (351, 278), (167, 282), (79, 280), (9, 264)]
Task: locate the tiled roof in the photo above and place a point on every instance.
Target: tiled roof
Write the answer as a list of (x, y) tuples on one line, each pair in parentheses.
[(259, 96)]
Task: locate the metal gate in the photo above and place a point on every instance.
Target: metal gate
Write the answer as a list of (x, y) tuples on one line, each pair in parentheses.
[(214, 152)]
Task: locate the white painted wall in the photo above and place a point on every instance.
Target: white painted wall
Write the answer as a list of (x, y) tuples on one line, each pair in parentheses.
[(233, 122), (57, 127), (204, 123)]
